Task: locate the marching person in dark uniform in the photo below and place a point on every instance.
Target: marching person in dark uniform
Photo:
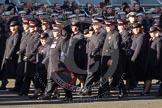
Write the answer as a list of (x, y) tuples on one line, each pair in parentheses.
[(139, 51), (112, 44), (106, 57), (30, 57), (154, 59), (2, 42), (21, 54), (94, 46), (131, 83), (54, 56), (125, 50), (77, 41), (9, 64), (40, 77), (87, 35), (126, 43)]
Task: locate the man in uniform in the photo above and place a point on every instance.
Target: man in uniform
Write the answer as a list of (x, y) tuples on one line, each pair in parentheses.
[(125, 49), (54, 66), (139, 50), (40, 77), (112, 45), (30, 57), (21, 53), (131, 83), (94, 55), (76, 48)]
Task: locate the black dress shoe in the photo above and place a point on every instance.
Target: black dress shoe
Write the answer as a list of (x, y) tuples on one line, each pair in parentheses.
[(104, 95), (159, 95), (122, 95), (158, 82), (33, 97), (45, 97), (80, 90), (145, 94), (66, 99), (3, 85), (88, 93), (79, 93), (14, 90), (56, 96), (2, 88), (23, 94)]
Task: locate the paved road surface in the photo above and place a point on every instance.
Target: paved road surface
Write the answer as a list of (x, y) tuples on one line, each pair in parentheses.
[(134, 100)]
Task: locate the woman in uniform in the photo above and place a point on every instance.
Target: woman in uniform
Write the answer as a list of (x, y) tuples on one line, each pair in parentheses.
[(10, 58), (153, 58), (139, 51), (40, 77)]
